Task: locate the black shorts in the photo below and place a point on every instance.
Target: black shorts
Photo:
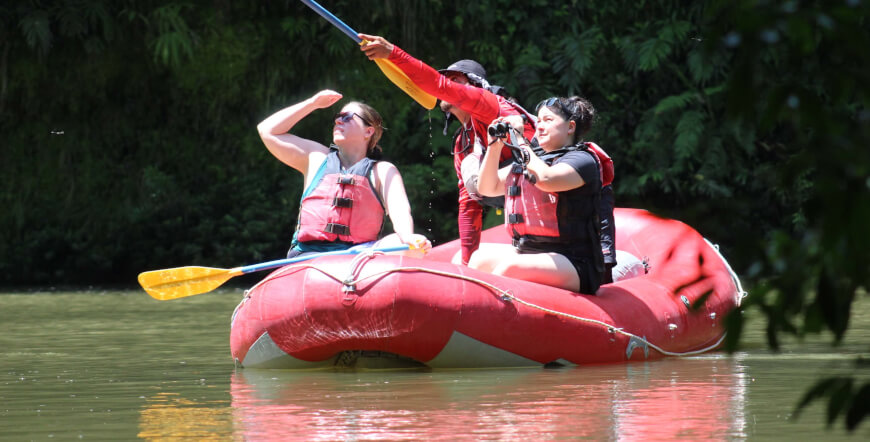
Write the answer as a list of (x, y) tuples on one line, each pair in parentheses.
[(590, 279)]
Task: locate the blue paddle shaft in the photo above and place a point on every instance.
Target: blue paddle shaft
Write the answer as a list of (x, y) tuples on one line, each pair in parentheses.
[(332, 19), (350, 251)]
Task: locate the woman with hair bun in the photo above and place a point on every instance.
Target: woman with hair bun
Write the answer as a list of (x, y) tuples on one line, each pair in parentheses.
[(348, 191), (552, 202)]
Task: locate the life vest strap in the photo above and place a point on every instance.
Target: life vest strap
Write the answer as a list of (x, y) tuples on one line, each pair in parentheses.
[(338, 229), (345, 203)]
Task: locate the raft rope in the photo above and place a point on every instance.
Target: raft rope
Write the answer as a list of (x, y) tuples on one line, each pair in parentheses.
[(357, 263), (740, 292)]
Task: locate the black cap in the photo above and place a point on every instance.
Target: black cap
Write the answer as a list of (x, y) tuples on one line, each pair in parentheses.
[(466, 67)]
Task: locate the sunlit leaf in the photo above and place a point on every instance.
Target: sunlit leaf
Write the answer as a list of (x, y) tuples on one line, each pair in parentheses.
[(674, 102)]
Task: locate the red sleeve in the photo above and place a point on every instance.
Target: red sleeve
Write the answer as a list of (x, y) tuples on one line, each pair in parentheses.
[(480, 103), (470, 224), (470, 218)]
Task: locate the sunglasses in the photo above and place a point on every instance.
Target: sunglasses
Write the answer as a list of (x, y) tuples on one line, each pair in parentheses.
[(346, 116), (552, 101)]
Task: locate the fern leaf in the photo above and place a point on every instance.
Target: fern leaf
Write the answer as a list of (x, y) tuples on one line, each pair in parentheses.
[(675, 32), (651, 53), (674, 102), (689, 130), (37, 32)]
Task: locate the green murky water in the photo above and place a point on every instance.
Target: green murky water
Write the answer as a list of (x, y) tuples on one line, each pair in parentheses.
[(122, 366)]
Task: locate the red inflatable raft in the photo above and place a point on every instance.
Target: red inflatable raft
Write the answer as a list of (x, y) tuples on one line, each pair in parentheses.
[(389, 310)]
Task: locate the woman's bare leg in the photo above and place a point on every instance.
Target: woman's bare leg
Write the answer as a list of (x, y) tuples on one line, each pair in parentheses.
[(488, 256), (551, 269)]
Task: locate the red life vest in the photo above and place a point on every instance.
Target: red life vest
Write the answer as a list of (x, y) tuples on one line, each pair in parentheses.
[(569, 218), (527, 209), (341, 205), (604, 161)]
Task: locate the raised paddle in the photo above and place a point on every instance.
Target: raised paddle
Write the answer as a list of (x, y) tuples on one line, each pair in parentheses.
[(387, 67), (181, 282)]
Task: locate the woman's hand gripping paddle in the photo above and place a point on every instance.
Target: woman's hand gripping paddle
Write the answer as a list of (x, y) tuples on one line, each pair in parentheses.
[(390, 70)]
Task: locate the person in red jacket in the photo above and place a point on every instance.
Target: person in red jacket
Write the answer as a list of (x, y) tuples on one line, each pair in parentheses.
[(465, 93)]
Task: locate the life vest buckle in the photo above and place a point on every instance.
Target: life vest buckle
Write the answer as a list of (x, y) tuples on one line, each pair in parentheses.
[(515, 218), (345, 179), (338, 229), (344, 203)]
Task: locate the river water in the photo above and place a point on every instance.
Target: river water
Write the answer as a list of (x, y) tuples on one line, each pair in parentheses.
[(121, 366)]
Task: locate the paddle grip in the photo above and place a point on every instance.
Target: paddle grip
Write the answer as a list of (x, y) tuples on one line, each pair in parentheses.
[(333, 19)]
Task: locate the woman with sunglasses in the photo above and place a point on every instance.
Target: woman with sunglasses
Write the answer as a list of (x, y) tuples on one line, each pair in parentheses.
[(552, 202), (348, 191)]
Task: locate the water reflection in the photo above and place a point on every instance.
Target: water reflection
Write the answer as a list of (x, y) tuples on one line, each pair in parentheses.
[(689, 399), (169, 415)]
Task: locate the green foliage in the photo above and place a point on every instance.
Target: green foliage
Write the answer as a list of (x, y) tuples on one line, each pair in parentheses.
[(843, 399), (172, 41), (810, 116)]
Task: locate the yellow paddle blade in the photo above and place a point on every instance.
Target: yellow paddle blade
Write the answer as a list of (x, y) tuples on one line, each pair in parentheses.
[(400, 79), (184, 281)]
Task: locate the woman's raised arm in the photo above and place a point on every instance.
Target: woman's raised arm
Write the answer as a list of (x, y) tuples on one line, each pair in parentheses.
[(293, 150)]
